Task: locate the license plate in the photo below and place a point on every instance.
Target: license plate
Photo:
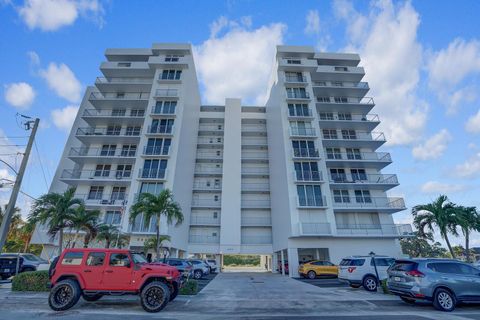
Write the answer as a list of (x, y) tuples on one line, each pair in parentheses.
[(398, 279), (6, 270)]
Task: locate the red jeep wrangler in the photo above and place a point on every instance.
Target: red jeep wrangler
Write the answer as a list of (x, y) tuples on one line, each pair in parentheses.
[(92, 273)]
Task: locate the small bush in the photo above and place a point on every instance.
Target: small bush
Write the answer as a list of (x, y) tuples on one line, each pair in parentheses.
[(31, 281), (384, 286), (189, 288)]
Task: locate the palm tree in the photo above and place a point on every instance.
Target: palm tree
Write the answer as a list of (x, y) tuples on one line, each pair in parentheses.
[(107, 233), (468, 220), (15, 223), (155, 206), (151, 243), (26, 233), (121, 240), (86, 221), (440, 213), (55, 210)]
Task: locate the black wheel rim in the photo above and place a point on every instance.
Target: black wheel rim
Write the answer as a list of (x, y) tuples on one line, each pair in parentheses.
[(154, 297), (63, 295)]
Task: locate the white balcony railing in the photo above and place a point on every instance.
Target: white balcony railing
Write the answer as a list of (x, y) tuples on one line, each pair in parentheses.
[(111, 199), (170, 93), (156, 151), (363, 202), (100, 152), (122, 132), (247, 239), (103, 80), (201, 220), (97, 174), (209, 155), (375, 229), (368, 101), (151, 173), (255, 203), (314, 228), (303, 132), (255, 155), (255, 186), (349, 117), (256, 221), (113, 113), (364, 178), (308, 176), (255, 170), (203, 239), (207, 186), (312, 202), (356, 135), (208, 170), (119, 96), (360, 156), (206, 203), (305, 153), (160, 129)]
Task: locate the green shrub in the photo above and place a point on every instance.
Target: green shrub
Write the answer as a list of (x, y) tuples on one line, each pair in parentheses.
[(189, 288), (31, 281), (237, 260), (384, 286)]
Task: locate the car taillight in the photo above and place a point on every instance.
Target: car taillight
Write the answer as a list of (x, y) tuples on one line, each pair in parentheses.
[(351, 269), (415, 273)]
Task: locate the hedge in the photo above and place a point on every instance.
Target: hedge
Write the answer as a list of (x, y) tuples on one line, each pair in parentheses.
[(189, 288), (31, 281)]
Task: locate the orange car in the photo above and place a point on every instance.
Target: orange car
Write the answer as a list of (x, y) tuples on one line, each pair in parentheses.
[(316, 268)]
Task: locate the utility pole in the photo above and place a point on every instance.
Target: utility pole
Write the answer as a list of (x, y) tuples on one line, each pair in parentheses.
[(16, 187)]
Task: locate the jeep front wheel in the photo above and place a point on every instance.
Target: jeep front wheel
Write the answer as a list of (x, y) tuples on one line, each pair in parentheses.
[(64, 295), (154, 296)]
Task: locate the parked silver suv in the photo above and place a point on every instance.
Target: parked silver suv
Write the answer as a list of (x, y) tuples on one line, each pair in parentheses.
[(446, 282)]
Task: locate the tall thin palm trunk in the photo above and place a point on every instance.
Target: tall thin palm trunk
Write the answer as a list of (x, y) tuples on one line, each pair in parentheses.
[(60, 242), (157, 251), (445, 236), (467, 245)]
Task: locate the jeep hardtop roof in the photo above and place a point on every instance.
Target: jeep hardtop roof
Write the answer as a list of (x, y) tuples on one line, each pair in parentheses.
[(96, 250)]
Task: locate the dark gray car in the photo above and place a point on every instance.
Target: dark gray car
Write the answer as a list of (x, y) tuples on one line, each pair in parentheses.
[(445, 282)]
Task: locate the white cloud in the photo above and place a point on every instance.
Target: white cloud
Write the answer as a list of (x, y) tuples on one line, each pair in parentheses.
[(433, 147), (19, 95), (34, 58), (447, 69), (62, 80), (313, 22), (237, 63), (473, 123), (64, 118), (386, 39), (441, 188), (469, 169), (51, 15)]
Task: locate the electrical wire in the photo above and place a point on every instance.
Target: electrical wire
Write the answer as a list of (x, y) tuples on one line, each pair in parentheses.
[(12, 145), (41, 165), (14, 137)]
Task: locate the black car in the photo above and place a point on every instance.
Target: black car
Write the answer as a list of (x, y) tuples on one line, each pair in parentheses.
[(182, 265), (8, 266)]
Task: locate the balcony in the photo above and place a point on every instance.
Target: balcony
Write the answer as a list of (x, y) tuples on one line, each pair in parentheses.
[(354, 104), (356, 121), (254, 143), (163, 112), (95, 117), (123, 84), (161, 130), (339, 73), (354, 139), (378, 204), (373, 181), (162, 61), (90, 135), (207, 186), (262, 129), (377, 160), (208, 171), (300, 114), (156, 151), (83, 155), (296, 80), (255, 171), (339, 88), (103, 200), (319, 202), (166, 93), (256, 221), (256, 240), (306, 153), (127, 69), (308, 176), (209, 155), (211, 129), (255, 204), (375, 230), (201, 239), (304, 96), (117, 99), (255, 187), (157, 174), (260, 156), (297, 64), (204, 221), (314, 229), (72, 176), (302, 132), (210, 142), (206, 203)]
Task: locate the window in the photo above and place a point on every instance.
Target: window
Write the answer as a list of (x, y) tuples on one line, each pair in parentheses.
[(309, 196), (304, 149), (95, 193), (137, 113), (353, 154), (215, 215), (158, 146), (323, 99), (330, 134), (337, 84), (358, 174), (121, 95), (129, 150), (294, 77), (344, 116), (124, 64), (118, 112), (341, 100), (162, 126), (114, 130), (352, 262), (294, 61), (171, 75), (118, 193), (349, 134), (113, 217), (341, 196), (307, 171), (108, 150), (133, 131), (341, 69), (151, 187), (297, 93), (119, 260), (363, 196), (334, 153), (154, 168), (321, 83), (326, 115), (72, 258), (382, 262), (123, 171), (95, 259), (102, 170), (165, 107), (298, 110), (172, 58)]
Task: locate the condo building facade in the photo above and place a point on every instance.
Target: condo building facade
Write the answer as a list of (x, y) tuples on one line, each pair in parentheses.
[(297, 179)]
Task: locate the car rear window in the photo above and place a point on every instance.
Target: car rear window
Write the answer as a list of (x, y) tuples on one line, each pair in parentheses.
[(404, 266), (382, 262), (72, 258), (352, 262)]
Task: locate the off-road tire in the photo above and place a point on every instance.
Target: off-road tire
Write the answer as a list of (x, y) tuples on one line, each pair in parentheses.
[(444, 300), (311, 275), (150, 293), (64, 295), (91, 297), (370, 283)]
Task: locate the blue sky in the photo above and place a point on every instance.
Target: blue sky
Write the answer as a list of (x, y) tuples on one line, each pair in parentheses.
[(422, 62)]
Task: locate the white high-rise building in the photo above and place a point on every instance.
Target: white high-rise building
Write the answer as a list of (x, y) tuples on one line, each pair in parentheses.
[(297, 179)]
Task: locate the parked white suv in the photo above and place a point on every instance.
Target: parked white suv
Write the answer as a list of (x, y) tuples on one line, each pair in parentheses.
[(359, 271)]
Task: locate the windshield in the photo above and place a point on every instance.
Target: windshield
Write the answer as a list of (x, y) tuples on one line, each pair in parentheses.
[(138, 258), (32, 257)]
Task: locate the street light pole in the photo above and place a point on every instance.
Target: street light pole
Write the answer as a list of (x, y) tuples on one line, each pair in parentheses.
[(16, 187), (372, 254)]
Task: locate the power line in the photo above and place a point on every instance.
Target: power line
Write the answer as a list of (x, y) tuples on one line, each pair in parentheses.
[(12, 145), (10, 154), (41, 165), (13, 137)]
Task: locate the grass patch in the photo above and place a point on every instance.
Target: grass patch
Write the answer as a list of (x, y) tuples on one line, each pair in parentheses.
[(238, 260), (189, 288), (31, 281)]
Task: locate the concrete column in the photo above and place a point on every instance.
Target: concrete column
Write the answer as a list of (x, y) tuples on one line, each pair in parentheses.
[(274, 262), (282, 262), (221, 263), (317, 254), (293, 262)]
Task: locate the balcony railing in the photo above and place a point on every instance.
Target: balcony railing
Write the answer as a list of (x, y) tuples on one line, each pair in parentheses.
[(359, 135), (308, 176), (255, 186), (97, 174), (204, 127), (246, 128), (364, 178), (300, 113), (246, 239), (160, 129), (203, 239), (305, 153), (168, 111), (151, 173), (254, 142), (103, 80), (156, 151), (348, 85), (255, 203), (298, 95), (362, 156), (368, 202), (208, 170), (348, 100), (303, 132), (209, 140), (255, 155), (130, 113), (209, 155), (112, 199), (349, 117), (256, 221), (314, 228), (206, 203), (312, 202), (207, 186), (89, 131), (375, 229), (118, 96), (166, 93), (296, 79), (199, 220), (100, 152), (253, 170)]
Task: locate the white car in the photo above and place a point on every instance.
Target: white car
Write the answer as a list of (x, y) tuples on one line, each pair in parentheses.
[(360, 271), (200, 268), (213, 265)]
